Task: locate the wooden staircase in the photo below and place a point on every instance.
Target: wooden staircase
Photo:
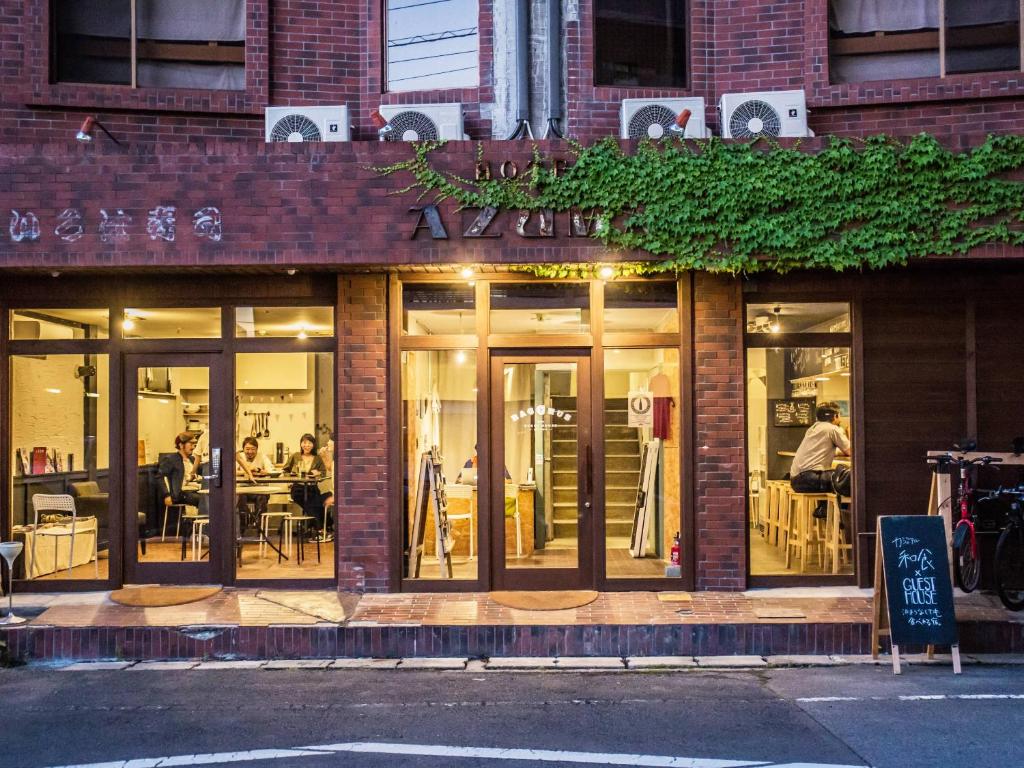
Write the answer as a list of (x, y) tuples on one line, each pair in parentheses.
[(622, 469)]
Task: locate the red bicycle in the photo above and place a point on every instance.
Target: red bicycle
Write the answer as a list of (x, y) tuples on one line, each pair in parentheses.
[(966, 559)]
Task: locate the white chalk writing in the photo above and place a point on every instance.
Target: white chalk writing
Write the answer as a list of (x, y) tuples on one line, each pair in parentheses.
[(206, 222), (24, 228), (160, 225), (70, 227), (114, 227)]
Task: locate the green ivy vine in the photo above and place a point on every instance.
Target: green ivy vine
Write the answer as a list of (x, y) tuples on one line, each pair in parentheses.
[(749, 207)]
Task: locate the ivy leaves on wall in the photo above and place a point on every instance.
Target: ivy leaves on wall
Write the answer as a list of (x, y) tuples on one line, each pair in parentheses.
[(732, 207)]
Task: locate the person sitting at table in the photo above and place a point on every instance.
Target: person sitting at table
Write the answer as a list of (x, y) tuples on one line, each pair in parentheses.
[(306, 463), (179, 469), (812, 471), (470, 477), (252, 464)]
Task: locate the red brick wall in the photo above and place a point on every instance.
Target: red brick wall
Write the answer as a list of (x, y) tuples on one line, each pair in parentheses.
[(331, 53), (362, 436), (720, 523)]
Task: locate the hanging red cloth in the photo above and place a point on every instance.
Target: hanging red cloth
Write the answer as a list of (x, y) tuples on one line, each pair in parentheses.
[(663, 417)]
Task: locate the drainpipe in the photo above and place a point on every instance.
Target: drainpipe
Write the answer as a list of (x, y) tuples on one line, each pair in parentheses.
[(554, 69), (522, 71)]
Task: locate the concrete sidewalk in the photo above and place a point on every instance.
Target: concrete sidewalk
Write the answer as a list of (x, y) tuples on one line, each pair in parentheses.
[(265, 624)]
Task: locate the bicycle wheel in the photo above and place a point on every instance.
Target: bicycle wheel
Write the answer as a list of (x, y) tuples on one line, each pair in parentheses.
[(1009, 565), (966, 564)]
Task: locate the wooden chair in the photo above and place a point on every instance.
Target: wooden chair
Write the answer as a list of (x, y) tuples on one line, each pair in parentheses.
[(803, 538), (837, 543)]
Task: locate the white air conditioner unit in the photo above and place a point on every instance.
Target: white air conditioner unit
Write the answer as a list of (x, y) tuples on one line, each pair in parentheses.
[(307, 124), (774, 113), (423, 122), (653, 118)]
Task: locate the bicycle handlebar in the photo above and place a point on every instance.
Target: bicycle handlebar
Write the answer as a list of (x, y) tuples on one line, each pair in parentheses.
[(959, 461)]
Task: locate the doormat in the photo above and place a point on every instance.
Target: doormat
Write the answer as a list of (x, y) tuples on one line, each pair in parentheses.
[(159, 597), (779, 612), (555, 600)]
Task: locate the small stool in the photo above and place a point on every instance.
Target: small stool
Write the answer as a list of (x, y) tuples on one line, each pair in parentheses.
[(802, 533), (298, 524), (264, 528), (836, 543)]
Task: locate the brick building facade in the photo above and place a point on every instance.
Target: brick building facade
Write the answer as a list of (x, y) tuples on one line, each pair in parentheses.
[(319, 210)]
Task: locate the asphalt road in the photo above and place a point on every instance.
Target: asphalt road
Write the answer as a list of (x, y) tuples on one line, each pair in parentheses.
[(926, 717)]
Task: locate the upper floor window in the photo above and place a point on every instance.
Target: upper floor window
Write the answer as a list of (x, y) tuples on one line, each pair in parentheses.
[(432, 44), (640, 43), (874, 40), (149, 43)]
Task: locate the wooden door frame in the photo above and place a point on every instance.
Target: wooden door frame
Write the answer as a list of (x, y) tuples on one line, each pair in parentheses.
[(584, 575), (217, 569)]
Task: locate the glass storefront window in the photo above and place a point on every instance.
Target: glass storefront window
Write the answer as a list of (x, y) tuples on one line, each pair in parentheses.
[(641, 454), (540, 308), (284, 399), (640, 307), (433, 309), (59, 444), (59, 324), (284, 322), (786, 387), (179, 323), (789, 317), (439, 396)]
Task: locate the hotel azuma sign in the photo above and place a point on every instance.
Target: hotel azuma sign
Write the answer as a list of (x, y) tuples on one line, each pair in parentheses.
[(490, 222)]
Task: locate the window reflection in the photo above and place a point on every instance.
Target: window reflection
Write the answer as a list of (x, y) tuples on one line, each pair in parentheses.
[(545, 308), (62, 324), (641, 450), (59, 444), (439, 456), (795, 533), (432, 45)]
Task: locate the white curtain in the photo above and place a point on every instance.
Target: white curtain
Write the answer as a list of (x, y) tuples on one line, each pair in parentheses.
[(864, 16), (219, 20)]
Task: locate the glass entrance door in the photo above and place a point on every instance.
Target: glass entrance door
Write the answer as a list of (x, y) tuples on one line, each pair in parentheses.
[(542, 514), (175, 523)]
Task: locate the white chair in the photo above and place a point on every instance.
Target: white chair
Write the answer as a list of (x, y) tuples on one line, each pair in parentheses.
[(514, 495), (464, 491), (64, 504)]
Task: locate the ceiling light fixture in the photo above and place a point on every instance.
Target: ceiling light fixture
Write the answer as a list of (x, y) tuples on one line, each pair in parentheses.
[(290, 272), (128, 324), (84, 134), (460, 357), (776, 325)]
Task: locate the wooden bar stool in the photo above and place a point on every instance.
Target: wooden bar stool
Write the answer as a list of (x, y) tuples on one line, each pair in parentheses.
[(771, 527), (837, 543), (785, 512), (803, 535)]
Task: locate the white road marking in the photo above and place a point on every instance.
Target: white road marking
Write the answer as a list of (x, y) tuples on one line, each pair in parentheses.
[(437, 750), (916, 697)]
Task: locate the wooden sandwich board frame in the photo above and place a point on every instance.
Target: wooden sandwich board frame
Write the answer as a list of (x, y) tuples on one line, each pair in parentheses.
[(881, 625), (430, 494), (643, 510)]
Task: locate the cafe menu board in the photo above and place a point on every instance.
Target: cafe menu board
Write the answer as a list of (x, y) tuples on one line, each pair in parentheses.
[(918, 591), (794, 413)]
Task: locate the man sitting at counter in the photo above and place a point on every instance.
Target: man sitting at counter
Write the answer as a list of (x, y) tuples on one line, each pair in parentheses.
[(812, 470), (252, 464), (469, 478)]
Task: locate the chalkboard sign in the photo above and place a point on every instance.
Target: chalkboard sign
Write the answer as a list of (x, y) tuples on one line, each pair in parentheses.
[(794, 413), (918, 591)]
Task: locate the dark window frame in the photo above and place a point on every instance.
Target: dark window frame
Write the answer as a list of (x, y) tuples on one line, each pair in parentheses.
[(686, 54)]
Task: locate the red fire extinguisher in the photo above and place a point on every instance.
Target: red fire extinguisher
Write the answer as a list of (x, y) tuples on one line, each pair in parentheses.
[(674, 553)]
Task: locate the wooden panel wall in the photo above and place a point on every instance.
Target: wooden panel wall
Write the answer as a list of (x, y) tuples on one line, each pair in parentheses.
[(915, 396)]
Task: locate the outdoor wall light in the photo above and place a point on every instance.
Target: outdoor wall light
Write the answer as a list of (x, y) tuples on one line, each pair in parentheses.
[(606, 273), (85, 132), (467, 273)]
